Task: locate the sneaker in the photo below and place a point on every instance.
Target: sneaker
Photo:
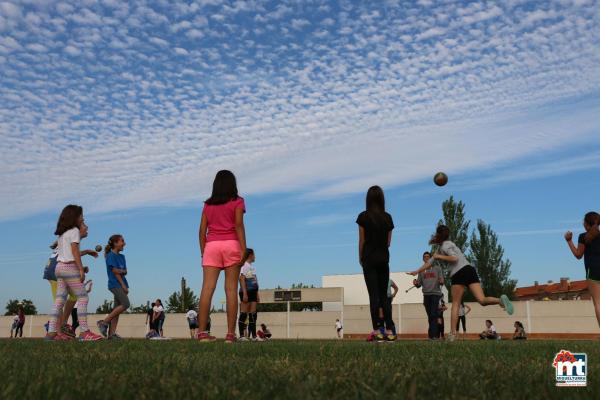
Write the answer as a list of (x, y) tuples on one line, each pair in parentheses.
[(380, 337), (507, 304), (244, 339), (102, 327), (450, 338), (230, 338), (257, 339), (205, 337), (68, 330), (391, 338), (89, 336), (114, 336)]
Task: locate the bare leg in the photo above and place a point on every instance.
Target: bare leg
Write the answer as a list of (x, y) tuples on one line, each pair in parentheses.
[(210, 275), (594, 288), (457, 294), (477, 291), (232, 275), (114, 314), (113, 323)]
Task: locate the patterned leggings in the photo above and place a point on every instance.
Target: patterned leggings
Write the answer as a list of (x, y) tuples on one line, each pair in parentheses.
[(68, 280)]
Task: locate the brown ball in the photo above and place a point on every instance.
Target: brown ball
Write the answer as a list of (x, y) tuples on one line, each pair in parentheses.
[(98, 248), (440, 179)]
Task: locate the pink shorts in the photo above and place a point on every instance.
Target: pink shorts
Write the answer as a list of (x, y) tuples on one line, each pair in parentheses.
[(222, 253)]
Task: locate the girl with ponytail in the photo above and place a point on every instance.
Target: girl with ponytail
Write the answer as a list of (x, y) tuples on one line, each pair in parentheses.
[(116, 269), (588, 248)]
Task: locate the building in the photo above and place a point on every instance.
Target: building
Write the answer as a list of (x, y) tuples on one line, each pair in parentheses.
[(355, 290), (563, 290)]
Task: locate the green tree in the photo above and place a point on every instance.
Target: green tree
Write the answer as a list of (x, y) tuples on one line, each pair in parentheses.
[(488, 256), (301, 286), (12, 306), (105, 308), (141, 309), (183, 300)]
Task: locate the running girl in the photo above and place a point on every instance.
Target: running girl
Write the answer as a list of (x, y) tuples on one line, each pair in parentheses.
[(588, 247), (375, 236), (70, 273), (248, 296), (116, 269), (462, 275), (222, 245)]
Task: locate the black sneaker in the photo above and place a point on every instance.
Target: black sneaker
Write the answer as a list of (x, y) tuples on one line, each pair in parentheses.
[(102, 327)]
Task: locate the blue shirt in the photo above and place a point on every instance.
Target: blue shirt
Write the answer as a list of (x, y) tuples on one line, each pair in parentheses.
[(114, 260)]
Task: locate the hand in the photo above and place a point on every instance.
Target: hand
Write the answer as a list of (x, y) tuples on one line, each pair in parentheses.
[(245, 298), (125, 289), (86, 269), (413, 273), (92, 253), (81, 275), (414, 282), (436, 256), (568, 236)]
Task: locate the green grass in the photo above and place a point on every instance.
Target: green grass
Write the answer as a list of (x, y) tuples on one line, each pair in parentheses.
[(288, 369)]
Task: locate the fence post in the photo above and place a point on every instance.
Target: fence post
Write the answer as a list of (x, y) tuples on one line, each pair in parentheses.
[(288, 319)]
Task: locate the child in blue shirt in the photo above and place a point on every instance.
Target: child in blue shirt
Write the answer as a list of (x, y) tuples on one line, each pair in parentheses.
[(116, 269)]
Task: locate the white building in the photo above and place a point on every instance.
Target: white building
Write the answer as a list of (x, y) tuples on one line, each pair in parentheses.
[(355, 290)]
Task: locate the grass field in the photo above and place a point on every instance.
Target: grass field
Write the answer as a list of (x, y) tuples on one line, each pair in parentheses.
[(289, 369)]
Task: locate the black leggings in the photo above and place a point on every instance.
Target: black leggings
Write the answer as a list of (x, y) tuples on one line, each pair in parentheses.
[(461, 319), (19, 330), (377, 278)]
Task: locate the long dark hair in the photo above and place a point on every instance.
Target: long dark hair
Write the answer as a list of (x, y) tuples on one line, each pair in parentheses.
[(592, 219), (442, 233), (224, 188), (111, 243), (375, 203), (519, 324), (69, 219)]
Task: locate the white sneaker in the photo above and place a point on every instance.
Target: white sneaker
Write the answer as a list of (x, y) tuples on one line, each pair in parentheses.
[(243, 339), (450, 337)]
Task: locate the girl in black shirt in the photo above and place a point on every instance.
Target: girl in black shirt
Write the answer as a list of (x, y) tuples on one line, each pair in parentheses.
[(375, 236)]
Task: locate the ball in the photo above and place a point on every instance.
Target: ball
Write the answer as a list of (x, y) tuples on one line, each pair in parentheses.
[(98, 248), (440, 179)]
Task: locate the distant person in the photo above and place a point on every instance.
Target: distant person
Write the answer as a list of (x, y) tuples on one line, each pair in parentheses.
[(249, 297), (223, 246), (192, 319), (588, 248), (70, 305), (520, 333), (14, 324), (431, 280), (264, 333), (463, 310), (440, 318), (149, 314), (489, 332), (338, 328), (158, 317), (375, 227), (116, 270), (462, 275), (70, 274), (20, 322)]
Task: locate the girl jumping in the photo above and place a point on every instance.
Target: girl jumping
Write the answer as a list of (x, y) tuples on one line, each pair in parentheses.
[(222, 245), (588, 248), (70, 273), (462, 275), (375, 236)]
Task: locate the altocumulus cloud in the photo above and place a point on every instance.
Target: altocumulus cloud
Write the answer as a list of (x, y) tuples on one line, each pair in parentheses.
[(117, 105)]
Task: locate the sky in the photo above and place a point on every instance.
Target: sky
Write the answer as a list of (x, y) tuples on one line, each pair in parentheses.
[(129, 109)]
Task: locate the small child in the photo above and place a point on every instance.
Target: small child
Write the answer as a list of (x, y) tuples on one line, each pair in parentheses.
[(338, 328), (70, 273), (192, 319), (222, 245), (264, 333), (116, 269), (489, 332), (519, 331), (248, 296), (462, 275)]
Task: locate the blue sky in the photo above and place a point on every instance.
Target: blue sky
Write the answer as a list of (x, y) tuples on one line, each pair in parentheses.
[(130, 108)]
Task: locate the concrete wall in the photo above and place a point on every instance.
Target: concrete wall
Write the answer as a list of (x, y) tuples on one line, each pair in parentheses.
[(538, 317)]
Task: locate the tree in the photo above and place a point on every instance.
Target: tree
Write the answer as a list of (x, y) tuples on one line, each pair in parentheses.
[(12, 306), (487, 255), (141, 309), (105, 308), (301, 286), (183, 300)]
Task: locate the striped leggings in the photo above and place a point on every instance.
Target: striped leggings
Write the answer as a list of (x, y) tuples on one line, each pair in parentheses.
[(68, 280)]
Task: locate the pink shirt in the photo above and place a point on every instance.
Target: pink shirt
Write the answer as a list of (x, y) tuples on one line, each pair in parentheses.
[(221, 220)]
